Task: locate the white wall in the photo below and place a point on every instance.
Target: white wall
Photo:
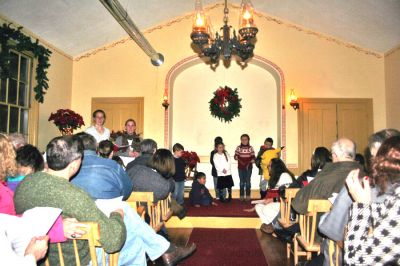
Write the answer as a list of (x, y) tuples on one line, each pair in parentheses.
[(195, 128)]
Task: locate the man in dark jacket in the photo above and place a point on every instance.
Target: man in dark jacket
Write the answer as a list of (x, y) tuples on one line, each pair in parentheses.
[(331, 178), (147, 148)]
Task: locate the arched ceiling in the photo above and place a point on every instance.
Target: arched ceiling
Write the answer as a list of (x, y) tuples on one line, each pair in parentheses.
[(77, 26)]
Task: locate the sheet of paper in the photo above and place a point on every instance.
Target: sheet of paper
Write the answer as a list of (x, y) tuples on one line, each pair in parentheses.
[(107, 206), (34, 222)]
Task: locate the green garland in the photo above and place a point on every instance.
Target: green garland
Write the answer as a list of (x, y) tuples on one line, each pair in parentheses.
[(225, 105), (24, 43)]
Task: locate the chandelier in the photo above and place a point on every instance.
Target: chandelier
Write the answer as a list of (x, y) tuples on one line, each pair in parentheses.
[(224, 44)]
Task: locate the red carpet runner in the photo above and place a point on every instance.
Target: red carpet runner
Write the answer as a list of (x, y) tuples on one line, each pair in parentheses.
[(225, 247), (231, 209)]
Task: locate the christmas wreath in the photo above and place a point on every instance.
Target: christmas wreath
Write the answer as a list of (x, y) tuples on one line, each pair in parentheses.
[(225, 105)]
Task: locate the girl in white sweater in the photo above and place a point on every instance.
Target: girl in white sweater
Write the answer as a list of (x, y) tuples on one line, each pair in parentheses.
[(222, 162)]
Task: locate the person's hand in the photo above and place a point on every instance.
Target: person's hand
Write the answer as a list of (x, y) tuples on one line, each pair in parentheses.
[(73, 229), (133, 154), (252, 161), (37, 247), (120, 211), (214, 203), (361, 194), (197, 205), (224, 171)]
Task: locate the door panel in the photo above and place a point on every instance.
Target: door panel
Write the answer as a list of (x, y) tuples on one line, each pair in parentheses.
[(322, 121), (118, 110), (354, 123), (319, 129)]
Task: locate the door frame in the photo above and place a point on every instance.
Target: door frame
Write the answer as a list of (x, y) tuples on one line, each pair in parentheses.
[(368, 101)]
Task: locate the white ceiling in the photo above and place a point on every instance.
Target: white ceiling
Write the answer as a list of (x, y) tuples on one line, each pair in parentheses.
[(76, 26)]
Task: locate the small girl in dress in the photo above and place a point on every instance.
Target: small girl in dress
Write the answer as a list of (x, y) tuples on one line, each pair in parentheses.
[(222, 162)]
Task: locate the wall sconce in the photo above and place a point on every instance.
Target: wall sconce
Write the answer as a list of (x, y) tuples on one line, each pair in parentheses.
[(293, 100), (165, 102)]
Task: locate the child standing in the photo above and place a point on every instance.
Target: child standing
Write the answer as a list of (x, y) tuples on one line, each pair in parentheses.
[(180, 175), (245, 156), (269, 154), (199, 195), (222, 162), (214, 174)]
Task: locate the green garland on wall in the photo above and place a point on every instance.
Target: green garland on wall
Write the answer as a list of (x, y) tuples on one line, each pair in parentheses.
[(22, 43)]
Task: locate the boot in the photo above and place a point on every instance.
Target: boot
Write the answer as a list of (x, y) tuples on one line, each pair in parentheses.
[(176, 254), (229, 194), (221, 196)]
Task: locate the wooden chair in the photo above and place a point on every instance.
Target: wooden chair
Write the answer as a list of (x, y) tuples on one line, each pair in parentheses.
[(308, 229), (285, 207), (139, 201), (93, 237), (158, 212), (333, 248)]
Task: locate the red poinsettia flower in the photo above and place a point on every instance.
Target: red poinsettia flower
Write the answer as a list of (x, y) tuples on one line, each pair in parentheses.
[(66, 118)]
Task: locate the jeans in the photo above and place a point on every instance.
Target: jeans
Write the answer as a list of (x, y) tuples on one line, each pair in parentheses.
[(179, 192), (140, 240), (217, 191), (245, 184)]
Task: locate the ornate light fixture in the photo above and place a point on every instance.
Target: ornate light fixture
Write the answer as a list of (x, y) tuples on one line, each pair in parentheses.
[(293, 100), (224, 44)]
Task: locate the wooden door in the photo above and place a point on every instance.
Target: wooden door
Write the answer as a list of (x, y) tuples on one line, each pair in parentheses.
[(355, 122), (118, 110), (318, 128), (322, 121)]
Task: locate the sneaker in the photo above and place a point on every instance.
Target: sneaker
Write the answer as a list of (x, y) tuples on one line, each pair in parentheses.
[(267, 228)]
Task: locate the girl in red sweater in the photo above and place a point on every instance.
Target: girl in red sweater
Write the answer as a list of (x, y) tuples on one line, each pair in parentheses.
[(245, 156)]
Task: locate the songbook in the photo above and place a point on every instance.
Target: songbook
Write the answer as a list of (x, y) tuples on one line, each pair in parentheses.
[(34, 222)]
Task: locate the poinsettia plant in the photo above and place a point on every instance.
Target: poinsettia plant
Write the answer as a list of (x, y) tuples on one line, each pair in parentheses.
[(191, 158), (66, 119)]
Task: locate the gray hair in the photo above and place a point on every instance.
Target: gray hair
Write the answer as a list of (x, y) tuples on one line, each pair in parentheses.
[(344, 149), (148, 146), (17, 139), (376, 139)]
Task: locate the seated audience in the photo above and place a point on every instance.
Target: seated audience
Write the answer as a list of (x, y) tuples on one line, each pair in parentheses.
[(8, 167), (320, 157), (156, 177), (199, 194), (102, 178), (129, 141), (333, 224), (141, 238), (280, 176), (373, 234), (331, 178), (147, 148), (29, 160), (105, 149), (52, 189)]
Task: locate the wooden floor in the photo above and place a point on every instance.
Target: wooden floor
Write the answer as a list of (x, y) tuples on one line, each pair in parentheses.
[(274, 249)]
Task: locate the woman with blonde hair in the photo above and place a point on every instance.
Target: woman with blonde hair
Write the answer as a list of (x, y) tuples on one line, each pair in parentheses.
[(8, 167)]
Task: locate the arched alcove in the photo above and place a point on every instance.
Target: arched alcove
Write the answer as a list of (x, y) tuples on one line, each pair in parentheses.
[(190, 66)]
